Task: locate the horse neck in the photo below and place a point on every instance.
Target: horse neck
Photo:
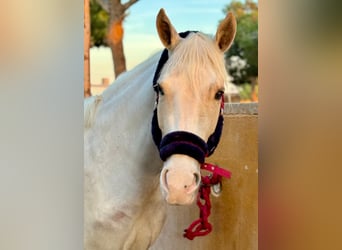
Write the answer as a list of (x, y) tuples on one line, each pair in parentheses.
[(122, 164), (130, 101), (139, 78)]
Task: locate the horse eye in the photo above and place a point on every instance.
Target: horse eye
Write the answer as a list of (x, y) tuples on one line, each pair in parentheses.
[(219, 95)]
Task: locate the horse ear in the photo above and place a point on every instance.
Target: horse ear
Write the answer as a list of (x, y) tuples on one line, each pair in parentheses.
[(167, 33), (226, 32)]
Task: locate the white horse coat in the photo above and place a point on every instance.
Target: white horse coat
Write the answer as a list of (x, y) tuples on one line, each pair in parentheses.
[(124, 206), (122, 193)]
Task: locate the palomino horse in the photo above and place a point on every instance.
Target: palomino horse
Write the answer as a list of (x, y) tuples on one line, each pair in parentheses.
[(126, 179)]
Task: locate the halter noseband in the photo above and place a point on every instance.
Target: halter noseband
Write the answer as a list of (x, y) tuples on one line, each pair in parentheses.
[(182, 142)]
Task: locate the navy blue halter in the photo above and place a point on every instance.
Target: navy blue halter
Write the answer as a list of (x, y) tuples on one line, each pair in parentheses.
[(182, 142)]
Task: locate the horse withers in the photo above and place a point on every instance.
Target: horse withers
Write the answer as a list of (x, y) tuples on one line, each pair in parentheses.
[(129, 173)]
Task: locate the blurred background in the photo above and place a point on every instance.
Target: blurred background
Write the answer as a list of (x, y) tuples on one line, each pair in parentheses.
[(41, 106), (122, 36)]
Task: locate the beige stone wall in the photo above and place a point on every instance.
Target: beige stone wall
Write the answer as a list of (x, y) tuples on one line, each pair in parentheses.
[(234, 214)]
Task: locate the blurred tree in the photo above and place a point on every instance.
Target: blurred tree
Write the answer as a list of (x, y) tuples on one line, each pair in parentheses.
[(99, 24), (108, 28), (242, 57)]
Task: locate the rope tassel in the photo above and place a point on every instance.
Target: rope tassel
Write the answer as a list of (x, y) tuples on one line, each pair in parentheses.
[(202, 226)]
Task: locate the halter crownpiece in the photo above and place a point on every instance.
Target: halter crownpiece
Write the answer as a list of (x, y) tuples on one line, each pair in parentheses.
[(182, 142)]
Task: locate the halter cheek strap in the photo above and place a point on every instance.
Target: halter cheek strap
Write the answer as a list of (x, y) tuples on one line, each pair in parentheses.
[(155, 129), (214, 138)]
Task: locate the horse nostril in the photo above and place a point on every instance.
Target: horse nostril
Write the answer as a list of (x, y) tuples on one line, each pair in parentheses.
[(197, 178), (165, 179), (172, 180), (195, 183)]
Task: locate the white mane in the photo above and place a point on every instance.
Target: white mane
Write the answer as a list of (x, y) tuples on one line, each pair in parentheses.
[(89, 108)]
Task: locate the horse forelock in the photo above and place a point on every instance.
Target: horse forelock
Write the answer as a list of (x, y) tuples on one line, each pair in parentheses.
[(193, 57)]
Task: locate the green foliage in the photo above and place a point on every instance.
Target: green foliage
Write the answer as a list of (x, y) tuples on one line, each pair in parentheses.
[(245, 91), (99, 20), (245, 44)]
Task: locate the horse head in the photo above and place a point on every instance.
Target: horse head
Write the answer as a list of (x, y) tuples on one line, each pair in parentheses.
[(190, 88)]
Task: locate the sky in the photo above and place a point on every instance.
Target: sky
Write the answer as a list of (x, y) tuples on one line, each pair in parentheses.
[(141, 38)]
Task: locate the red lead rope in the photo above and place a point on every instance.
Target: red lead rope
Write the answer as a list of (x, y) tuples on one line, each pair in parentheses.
[(201, 226)]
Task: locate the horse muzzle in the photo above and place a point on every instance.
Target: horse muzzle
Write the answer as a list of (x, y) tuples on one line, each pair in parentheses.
[(182, 153), (180, 179)]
